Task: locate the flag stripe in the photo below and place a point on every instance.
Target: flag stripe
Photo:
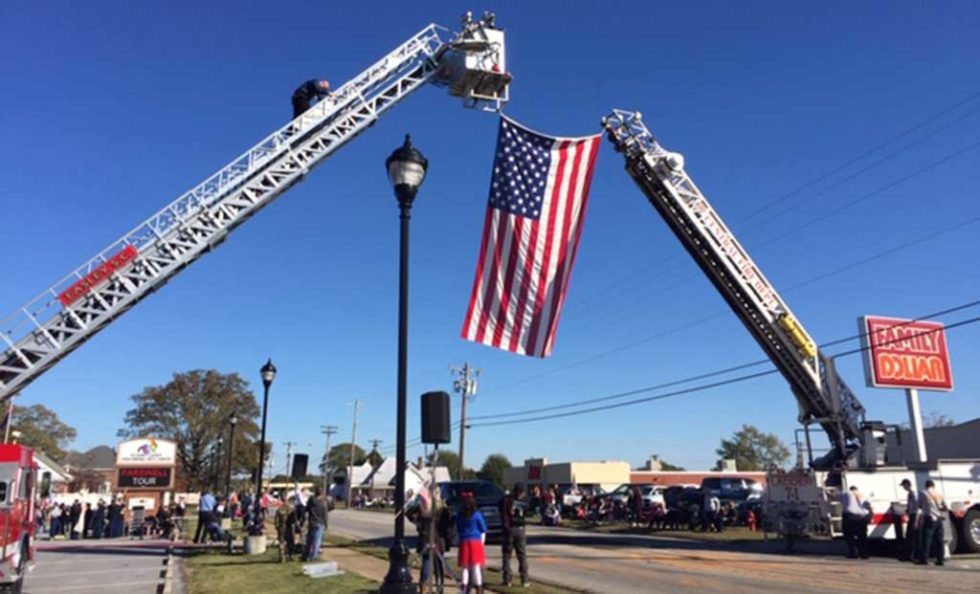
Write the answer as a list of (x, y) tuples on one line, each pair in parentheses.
[(469, 327), (592, 149), (549, 237), (538, 195), (567, 206)]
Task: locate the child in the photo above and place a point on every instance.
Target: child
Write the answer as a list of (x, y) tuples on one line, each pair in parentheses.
[(471, 529), (750, 520)]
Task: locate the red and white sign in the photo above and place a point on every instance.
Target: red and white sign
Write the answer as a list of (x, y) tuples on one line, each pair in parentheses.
[(99, 275), (905, 354)]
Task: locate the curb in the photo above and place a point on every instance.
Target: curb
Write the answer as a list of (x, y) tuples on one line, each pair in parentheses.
[(168, 572)]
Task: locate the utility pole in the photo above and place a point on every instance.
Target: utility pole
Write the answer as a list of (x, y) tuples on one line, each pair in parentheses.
[(464, 385), (374, 448), (327, 430), (353, 440)]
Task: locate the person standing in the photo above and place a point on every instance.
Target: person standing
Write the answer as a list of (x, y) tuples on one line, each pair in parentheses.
[(286, 530), (471, 528), (87, 521), (316, 517), (205, 507), (514, 536), (932, 510), (98, 520), (857, 516), (908, 549), (115, 518), (307, 92), (75, 520)]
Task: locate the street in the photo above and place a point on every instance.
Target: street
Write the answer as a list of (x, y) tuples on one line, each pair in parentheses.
[(599, 562), (95, 566)]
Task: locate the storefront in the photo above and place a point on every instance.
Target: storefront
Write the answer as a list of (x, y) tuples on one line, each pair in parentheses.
[(145, 469), (537, 471)]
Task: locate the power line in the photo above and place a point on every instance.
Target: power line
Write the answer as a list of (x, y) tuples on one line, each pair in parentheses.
[(709, 374), (693, 389), (720, 313), (906, 132)]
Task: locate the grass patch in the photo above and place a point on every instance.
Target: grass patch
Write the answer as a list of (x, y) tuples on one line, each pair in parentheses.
[(492, 578), (216, 572)]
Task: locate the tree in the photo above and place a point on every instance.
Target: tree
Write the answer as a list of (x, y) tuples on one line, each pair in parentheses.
[(753, 450), (493, 468), (450, 460), (375, 458), (193, 410), (41, 429), (664, 465), (339, 456), (935, 419)]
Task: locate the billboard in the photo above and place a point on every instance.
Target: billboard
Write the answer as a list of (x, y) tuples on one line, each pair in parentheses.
[(905, 354), (147, 451)]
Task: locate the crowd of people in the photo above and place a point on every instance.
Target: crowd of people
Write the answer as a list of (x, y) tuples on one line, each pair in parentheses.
[(78, 520)]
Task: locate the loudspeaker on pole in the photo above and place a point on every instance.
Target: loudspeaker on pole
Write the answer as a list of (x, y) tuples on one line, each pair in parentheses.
[(299, 466), (435, 418)]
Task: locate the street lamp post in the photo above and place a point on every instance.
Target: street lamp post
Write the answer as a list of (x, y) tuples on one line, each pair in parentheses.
[(406, 170), (268, 374), (232, 421)]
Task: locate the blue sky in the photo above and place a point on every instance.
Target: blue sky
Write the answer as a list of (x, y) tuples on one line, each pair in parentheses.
[(112, 109)]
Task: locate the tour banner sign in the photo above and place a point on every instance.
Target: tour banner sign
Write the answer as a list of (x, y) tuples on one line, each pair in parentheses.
[(908, 354)]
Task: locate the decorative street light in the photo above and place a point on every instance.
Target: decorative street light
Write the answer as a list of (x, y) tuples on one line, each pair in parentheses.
[(406, 171), (232, 421), (268, 374)]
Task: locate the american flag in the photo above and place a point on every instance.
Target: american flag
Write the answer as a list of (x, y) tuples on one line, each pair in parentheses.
[(538, 195)]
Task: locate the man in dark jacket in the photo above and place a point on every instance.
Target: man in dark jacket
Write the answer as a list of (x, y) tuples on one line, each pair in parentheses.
[(316, 514), (514, 538), (306, 92)]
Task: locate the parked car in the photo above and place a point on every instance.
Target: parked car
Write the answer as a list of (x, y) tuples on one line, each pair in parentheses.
[(679, 496), (735, 489), (652, 495), (489, 500)]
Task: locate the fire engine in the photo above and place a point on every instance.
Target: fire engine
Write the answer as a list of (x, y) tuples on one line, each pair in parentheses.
[(18, 473), (863, 453)]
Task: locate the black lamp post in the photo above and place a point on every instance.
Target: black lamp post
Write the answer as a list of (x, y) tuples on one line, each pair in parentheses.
[(232, 421), (268, 374), (406, 171)]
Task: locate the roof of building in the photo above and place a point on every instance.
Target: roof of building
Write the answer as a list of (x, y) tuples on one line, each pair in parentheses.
[(46, 464)]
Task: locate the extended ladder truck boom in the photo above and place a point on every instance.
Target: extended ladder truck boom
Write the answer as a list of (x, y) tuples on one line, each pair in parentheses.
[(823, 397), (806, 501), (471, 64)]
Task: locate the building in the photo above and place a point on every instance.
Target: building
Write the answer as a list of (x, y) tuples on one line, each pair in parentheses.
[(94, 470), (953, 442), (537, 471), (652, 473), (53, 479), (379, 482)]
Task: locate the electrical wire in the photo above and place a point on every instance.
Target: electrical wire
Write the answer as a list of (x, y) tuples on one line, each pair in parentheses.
[(684, 326), (906, 132), (717, 372), (699, 388)]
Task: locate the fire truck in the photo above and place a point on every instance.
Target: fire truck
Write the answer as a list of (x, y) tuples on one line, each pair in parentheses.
[(863, 453), (18, 474)]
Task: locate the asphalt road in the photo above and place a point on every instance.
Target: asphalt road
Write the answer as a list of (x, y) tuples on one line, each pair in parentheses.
[(612, 563), (98, 566)]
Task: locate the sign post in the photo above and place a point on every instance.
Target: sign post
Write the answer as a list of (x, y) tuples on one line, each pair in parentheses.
[(908, 354)]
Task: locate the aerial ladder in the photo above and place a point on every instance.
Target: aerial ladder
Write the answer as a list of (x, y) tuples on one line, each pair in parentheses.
[(803, 502), (822, 395), (470, 63)]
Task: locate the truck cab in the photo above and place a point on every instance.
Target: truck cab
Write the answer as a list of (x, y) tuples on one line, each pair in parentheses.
[(18, 475)]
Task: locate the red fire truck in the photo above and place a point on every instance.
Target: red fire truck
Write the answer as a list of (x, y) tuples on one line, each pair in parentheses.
[(18, 473)]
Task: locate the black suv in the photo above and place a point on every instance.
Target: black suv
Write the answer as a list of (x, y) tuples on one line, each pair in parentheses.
[(489, 500)]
